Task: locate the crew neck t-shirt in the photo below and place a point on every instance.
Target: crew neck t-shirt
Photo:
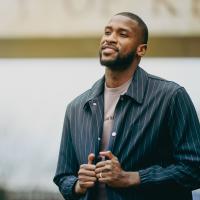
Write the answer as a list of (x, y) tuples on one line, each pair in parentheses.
[(111, 97)]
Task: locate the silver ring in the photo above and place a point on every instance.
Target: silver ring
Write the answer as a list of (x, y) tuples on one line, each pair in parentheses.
[(100, 175)]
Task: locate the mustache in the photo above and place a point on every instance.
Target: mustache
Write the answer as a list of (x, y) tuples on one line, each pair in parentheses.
[(110, 46)]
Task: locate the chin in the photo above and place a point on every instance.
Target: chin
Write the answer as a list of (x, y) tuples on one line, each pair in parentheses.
[(107, 62), (115, 64)]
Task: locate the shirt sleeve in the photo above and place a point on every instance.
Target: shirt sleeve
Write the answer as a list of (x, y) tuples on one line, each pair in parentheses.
[(67, 166), (184, 130)]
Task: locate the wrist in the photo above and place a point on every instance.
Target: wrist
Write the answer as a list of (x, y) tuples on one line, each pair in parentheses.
[(133, 178), (78, 189)]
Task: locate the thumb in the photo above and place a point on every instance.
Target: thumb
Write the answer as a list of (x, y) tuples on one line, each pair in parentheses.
[(91, 157), (108, 154)]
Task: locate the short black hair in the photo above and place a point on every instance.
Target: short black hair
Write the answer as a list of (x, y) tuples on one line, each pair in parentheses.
[(140, 22)]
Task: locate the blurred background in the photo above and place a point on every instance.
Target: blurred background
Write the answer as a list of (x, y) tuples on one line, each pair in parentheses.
[(49, 55)]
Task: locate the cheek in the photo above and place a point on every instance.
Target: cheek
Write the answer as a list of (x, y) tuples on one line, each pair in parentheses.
[(126, 45), (130, 47), (102, 40), (125, 50)]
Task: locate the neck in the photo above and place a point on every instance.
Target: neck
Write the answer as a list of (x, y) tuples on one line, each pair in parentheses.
[(116, 78)]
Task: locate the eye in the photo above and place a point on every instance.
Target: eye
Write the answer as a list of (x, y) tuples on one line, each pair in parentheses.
[(107, 32), (123, 34)]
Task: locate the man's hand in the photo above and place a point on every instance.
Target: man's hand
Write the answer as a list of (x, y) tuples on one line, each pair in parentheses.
[(111, 173), (86, 176)]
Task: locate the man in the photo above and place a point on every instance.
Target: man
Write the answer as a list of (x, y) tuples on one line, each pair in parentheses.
[(132, 135)]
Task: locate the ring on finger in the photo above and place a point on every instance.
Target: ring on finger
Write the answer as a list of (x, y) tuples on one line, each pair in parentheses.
[(100, 175)]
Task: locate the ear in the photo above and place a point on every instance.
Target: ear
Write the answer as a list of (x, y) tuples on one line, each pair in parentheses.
[(141, 50)]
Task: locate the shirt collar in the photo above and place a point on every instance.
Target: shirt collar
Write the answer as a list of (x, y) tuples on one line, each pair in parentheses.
[(96, 90), (138, 85), (136, 89)]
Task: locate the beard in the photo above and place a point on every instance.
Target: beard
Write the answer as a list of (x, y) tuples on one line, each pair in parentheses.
[(120, 63)]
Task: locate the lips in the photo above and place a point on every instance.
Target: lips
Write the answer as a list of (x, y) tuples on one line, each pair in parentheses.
[(109, 49)]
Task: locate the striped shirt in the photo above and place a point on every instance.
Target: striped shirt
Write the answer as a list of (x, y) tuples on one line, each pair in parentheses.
[(156, 132)]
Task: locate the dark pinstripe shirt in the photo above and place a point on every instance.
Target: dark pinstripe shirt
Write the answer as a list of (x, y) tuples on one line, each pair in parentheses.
[(157, 133)]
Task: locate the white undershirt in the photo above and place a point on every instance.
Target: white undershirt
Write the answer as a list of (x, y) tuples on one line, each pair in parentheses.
[(111, 97)]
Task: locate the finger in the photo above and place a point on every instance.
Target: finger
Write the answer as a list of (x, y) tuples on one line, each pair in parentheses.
[(104, 180), (106, 168), (88, 167), (103, 163), (87, 178), (88, 184), (91, 157), (104, 175), (108, 154), (86, 173)]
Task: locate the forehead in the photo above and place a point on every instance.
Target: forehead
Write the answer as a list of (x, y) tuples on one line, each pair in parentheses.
[(123, 22)]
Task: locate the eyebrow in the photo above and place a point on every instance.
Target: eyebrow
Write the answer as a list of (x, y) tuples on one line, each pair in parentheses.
[(119, 29)]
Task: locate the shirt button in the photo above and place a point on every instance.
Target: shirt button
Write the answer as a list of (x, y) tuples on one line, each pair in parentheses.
[(94, 104), (114, 134), (99, 138)]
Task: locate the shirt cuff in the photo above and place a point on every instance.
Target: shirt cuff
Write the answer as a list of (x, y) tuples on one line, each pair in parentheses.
[(144, 177), (67, 188)]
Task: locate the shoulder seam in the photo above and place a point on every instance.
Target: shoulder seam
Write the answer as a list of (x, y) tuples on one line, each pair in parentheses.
[(174, 93)]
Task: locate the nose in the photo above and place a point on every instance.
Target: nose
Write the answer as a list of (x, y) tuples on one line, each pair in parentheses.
[(112, 38)]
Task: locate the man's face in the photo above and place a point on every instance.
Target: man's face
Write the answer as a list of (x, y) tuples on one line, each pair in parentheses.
[(119, 43)]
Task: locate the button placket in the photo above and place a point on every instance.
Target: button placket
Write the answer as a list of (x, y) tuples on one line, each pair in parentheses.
[(113, 134)]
